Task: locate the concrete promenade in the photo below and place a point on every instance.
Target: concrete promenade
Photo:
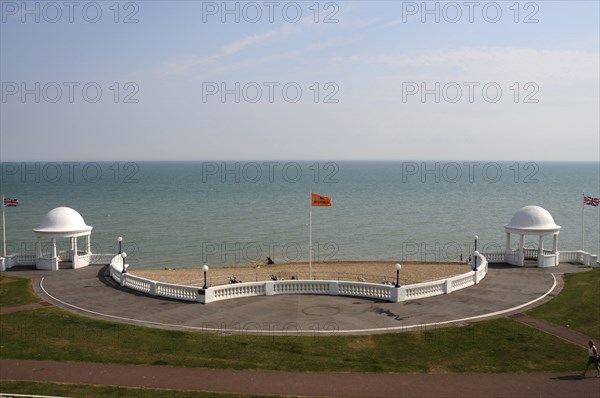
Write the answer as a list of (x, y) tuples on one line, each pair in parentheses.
[(505, 291)]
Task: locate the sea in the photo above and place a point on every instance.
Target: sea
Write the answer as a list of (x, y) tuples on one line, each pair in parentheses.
[(190, 213)]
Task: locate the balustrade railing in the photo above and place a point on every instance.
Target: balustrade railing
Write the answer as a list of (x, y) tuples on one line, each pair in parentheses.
[(24, 259), (276, 287)]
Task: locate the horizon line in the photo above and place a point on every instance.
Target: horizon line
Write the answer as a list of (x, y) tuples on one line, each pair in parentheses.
[(299, 160)]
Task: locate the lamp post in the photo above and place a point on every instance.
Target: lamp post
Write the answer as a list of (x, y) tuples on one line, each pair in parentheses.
[(205, 269), (475, 255), (475, 251), (124, 270), (398, 266), (120, 240)]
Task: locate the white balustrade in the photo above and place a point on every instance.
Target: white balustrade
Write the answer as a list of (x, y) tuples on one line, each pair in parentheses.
[(427, 289), (461, 282), (187, 293), (344, 288), (24, 259), (237, 290), (301, 287), (268, 288), (137, 283), (370, 290), (495, 257), (531, 254)]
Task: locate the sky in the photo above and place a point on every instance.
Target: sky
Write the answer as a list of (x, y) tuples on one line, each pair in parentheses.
[(304, 80)]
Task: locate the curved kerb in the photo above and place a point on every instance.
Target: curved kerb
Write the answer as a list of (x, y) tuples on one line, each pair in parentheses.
[(295, 332)]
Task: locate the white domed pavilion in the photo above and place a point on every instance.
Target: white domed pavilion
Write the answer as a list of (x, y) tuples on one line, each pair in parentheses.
[(532, 220), (63, 222)]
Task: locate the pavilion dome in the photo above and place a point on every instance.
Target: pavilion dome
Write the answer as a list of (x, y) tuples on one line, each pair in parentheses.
[(532, 218), (62, 220)]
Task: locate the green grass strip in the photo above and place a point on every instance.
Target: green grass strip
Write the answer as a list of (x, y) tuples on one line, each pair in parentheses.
[(16, 291), (499, 345), (577, 306)]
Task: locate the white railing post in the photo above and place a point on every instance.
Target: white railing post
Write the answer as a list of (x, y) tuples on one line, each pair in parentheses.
[(401, 294), (205, 296), (448, 286), (153, 288), (398, 294), (333, 289), (269, 288), (11, 260)]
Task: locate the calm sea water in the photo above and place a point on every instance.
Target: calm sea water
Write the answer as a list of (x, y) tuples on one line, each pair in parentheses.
[(184, 214)]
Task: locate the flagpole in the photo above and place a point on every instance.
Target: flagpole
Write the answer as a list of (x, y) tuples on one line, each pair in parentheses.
[(310, 242), (582, 227), (3, 230)]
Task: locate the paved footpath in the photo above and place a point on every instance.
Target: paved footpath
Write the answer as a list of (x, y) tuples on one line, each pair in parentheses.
[(307, 384)]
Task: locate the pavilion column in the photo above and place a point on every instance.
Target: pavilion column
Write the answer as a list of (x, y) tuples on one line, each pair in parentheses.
[(508, 242), (53, 247), (521, 244), (38, 248), (75, 258), (541, 247), (555, 243), (522, 249), (88, 244)]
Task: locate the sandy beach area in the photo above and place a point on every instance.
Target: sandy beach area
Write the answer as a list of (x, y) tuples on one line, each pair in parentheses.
[(365, 271)]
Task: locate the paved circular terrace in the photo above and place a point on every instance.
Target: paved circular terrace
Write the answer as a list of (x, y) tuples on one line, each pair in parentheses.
[(504, 291)]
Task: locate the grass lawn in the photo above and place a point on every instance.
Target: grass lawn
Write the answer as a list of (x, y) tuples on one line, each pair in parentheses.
[(16, 291), (88, 391), (494, 346), (577, 306), (499, 345)]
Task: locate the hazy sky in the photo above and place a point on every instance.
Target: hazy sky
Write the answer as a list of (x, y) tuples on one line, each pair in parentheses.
[(192, 80)]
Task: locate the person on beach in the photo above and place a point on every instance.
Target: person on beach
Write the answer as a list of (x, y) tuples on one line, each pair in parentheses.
[(592, 359)]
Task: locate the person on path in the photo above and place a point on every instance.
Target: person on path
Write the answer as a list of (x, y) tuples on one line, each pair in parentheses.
[(592, 358)]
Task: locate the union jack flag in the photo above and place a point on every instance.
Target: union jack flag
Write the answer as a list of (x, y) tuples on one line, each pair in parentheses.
[(588, 200), (11, 202)]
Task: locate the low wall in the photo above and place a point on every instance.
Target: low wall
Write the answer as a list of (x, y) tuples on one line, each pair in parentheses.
[(581, 257), (548, 259), (29, 259), (318, 287)]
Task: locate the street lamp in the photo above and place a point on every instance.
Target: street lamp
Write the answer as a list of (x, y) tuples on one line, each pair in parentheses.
[(475, 254), (124, 270), (398, 266), (476, 239), (205, 269), (120, 239)]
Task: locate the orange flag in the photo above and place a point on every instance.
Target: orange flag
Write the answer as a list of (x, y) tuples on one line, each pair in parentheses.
[(319, 200)]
